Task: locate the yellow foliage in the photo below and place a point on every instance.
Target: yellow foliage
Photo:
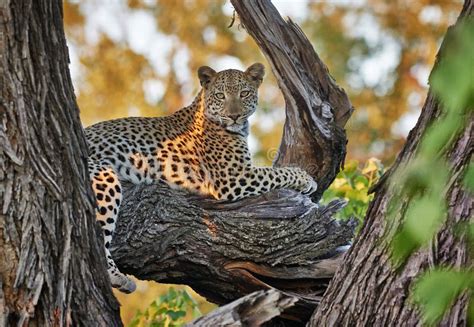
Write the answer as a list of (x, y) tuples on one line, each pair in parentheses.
[(372, 165), (113, 74), (353, 184), (147, 292)]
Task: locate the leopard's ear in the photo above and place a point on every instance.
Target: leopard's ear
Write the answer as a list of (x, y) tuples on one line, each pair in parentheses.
[(206, 74), (255, 73)]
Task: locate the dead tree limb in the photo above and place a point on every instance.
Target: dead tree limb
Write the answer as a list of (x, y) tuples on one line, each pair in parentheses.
[(251, 310)]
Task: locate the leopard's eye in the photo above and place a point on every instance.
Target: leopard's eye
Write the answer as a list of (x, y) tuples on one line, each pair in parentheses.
[(220, 96), (244, 94)]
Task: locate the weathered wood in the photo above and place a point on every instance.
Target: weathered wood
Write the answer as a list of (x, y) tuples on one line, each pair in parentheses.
[(226, 251), (251, 310), (52, 268), (368, 290)]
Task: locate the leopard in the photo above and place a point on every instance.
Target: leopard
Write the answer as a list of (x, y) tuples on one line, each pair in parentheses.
[(201, 148)]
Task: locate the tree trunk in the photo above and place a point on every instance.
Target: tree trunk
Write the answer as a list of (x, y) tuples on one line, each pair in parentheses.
[(368, 290), (52, 267)]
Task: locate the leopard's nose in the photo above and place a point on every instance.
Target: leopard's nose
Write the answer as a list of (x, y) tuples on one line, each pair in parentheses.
[(234, 117)]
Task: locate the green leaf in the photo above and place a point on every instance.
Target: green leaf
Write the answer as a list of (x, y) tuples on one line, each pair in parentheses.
[(157, 323), (402, 246), (175, 315), (361, 179), (440, 135), (161, 310), (168, 310), (136, 320), (350, 167), (452, 80), (187, 297), (423, 219), (469, 178), (352, 185), (196, 312), (435, 291)]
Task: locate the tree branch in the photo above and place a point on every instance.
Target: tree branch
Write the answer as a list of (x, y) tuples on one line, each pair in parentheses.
[(251, 310), (225, 251)]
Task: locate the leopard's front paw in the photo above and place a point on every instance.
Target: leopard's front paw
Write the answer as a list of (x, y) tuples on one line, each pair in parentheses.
[(312, 186), (305, 184)]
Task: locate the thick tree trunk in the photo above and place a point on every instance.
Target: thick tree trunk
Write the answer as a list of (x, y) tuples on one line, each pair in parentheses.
[(368, 290), (52, 267)]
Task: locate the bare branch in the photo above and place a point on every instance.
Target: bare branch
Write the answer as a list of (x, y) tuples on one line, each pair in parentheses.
[(251, 310)]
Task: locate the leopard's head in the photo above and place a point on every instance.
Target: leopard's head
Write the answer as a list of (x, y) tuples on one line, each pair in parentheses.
[(230, 96)]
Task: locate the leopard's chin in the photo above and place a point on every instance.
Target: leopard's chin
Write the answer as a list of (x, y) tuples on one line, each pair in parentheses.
[(240, 129)]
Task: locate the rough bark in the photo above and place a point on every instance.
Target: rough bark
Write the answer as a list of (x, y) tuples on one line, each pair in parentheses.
[(282, 239), (251, 310), (52, 270), (368, 290), (225, 251)]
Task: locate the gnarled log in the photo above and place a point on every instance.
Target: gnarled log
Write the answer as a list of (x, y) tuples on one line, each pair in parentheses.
[(225, 251)]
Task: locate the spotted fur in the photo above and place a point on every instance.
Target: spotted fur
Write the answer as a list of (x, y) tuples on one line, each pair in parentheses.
[(201, 148)]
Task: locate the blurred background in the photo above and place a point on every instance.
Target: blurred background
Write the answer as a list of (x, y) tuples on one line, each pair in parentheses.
[(140, 57)]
